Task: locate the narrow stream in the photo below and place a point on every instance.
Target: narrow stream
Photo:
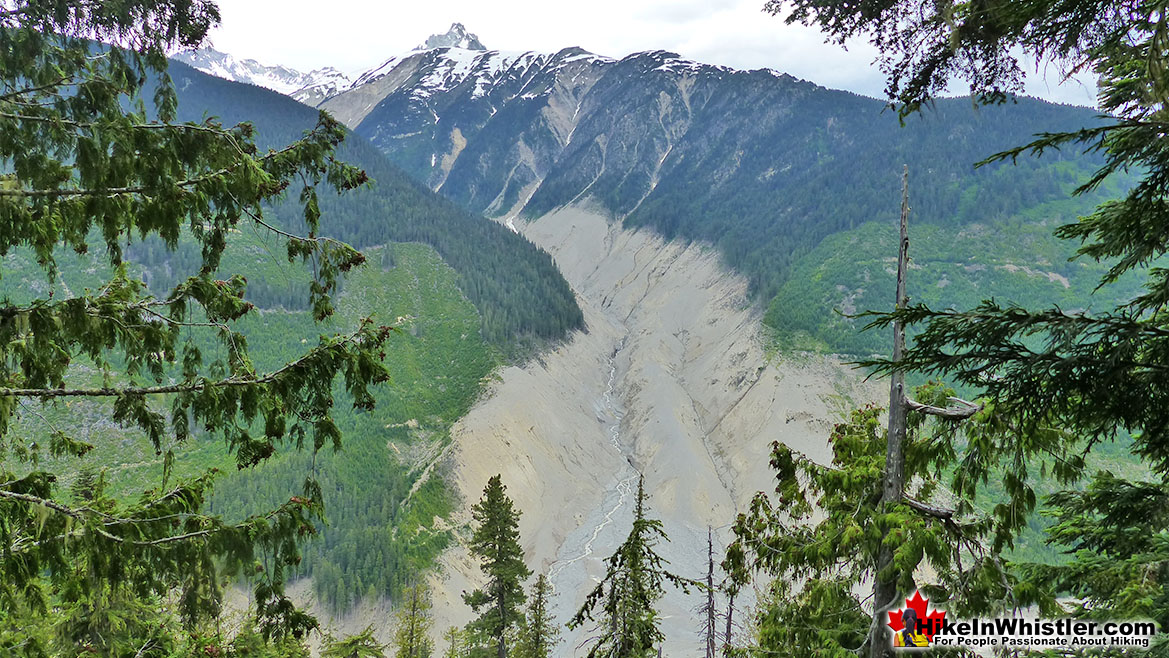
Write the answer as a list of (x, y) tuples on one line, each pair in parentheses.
[(610, 508)]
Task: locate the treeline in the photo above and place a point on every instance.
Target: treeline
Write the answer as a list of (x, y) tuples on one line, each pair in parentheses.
[(519, 292), (835, 164)]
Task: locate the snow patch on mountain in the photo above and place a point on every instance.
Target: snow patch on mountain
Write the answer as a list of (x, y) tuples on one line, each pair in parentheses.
[(312, 87)]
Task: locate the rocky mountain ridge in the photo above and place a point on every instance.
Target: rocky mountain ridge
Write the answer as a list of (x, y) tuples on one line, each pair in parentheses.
[(757, 163), (456, 37), (310, 88), (318, 85)]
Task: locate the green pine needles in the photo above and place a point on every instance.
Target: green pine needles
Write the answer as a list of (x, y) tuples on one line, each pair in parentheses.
[(496, 544), (412, 639), (92, 160), (539, 634), (1065, 384), (634, 581), (818, 542)]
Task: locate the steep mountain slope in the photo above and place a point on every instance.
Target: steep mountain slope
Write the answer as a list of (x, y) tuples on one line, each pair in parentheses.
[(792, 185), (519, 293), (646, 177), (758, 163), (381, 536)]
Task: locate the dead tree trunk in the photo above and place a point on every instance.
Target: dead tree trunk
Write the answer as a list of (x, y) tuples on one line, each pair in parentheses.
[(730, 622), (709, 609), (885, 582)]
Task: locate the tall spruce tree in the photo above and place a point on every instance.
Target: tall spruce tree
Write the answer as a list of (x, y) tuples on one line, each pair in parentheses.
[(634, 581), (88, 169), (412, 639), (539, 635), (1099, 375), (496, 544)]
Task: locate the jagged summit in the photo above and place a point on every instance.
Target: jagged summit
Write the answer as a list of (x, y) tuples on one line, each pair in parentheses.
[(456, 37)]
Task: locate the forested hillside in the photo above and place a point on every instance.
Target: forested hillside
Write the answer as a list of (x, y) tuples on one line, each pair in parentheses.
[(378, 536), (1013, 258), (516, 287)]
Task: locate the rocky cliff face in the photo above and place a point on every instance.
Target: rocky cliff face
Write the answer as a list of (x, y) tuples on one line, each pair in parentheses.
[(483, 127), (456, 37)]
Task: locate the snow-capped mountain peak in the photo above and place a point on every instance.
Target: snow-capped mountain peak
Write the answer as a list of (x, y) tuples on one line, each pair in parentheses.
[(310, 88), (456, 37)]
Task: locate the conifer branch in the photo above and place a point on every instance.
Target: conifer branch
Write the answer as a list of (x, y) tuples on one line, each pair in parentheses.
[(63, 80), (140, 189), (318, 240), (89, 125), (191, 387)]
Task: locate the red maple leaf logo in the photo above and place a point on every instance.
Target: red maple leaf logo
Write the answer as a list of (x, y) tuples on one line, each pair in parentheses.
[(931, 620)]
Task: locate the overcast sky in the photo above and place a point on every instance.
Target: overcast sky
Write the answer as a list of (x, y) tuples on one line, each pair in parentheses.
[(354, 35)]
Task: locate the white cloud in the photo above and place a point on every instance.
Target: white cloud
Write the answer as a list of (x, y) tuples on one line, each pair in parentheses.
[(354, 35)]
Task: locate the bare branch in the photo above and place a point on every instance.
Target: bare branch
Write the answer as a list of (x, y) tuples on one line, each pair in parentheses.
[(962, 411), (936, 512)]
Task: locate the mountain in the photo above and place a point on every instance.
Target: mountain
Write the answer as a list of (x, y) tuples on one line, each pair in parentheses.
[(310, 88), (456, 37), (757, 163), (680, 200)]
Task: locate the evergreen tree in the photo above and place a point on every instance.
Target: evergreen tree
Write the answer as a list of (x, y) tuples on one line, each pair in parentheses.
[(88, 169), (496, 544), (821, 541), (1098, 375), (539, 635), (454, 640), (633, 583), (362, 645), (879, 521), (413, 636)]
